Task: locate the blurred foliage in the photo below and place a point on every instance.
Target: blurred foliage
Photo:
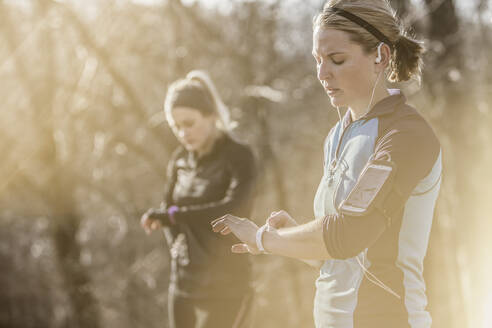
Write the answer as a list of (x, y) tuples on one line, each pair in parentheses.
[(85, 145)]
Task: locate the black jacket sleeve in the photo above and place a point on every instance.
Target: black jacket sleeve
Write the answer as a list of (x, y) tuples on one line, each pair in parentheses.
[(409, 143), (241, 166), (161, 213)]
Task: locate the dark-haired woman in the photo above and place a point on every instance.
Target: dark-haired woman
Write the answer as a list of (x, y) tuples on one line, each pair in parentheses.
[(382, 170), (210, 175)]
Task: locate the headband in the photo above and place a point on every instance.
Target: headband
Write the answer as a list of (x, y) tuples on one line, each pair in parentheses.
[(363, 23), (193, 96)]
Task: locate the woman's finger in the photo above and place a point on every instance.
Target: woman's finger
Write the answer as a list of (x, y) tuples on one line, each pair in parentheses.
[(225, 231), (227, 216), (272, 220), (240, 248), (144, 220), (155, 225), (275, 221), (218, 225), (218, 219), (222, 224), (273, 216)]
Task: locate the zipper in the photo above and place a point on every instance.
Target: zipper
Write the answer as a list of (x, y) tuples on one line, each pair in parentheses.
[(334, 162), (335, 193)]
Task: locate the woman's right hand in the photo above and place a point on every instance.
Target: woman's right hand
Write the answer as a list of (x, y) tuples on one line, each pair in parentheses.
[(281, 219), (149, 223)]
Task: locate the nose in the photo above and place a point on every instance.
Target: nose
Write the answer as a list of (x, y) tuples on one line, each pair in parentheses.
[(324, 71), (182, 133)]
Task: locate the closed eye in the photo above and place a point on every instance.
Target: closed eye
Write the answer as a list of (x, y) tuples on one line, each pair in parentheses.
[(337, 58), (339, 62), (185, 124)]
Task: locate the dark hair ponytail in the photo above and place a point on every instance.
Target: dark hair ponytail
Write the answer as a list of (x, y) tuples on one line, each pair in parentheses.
[(406, 61)]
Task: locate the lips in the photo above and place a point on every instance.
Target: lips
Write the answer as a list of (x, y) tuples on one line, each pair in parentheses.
[(188, 141), (331, 91)]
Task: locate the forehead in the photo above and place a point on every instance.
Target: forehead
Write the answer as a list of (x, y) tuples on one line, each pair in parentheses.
[(329, 40), (186, 113)]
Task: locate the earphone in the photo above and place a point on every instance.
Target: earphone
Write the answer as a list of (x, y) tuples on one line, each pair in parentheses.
[(379, 58)]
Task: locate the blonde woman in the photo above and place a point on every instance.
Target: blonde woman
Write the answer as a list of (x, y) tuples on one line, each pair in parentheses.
[(382, 170), (209, 175)]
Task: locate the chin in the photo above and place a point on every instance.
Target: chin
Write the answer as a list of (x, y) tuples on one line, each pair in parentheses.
[(336, 102), (190, 147)]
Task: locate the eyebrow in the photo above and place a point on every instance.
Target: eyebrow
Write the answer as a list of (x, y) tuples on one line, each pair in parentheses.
[(331, 53)]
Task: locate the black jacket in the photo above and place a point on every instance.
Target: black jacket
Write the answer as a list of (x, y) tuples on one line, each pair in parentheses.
[(204, 189)]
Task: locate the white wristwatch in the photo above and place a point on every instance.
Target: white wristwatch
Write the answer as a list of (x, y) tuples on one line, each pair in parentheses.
[(259, 237)]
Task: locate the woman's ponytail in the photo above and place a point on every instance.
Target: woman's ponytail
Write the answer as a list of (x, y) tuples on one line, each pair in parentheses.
[(406, 61)]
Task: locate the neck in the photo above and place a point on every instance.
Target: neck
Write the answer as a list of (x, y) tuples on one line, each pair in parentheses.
[(209, 144), (363, 107)]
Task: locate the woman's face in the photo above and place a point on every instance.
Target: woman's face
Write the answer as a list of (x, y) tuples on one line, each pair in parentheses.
[(346, 72), (192, 128)]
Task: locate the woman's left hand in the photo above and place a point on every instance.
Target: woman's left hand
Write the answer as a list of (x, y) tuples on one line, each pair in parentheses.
[(243, 229)]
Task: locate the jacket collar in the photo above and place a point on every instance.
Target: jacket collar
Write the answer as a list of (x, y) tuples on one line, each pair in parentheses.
[(218, 144), (383, 107), (387, 105)]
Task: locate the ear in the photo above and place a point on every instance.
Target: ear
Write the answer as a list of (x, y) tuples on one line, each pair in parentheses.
[(385, 52)]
